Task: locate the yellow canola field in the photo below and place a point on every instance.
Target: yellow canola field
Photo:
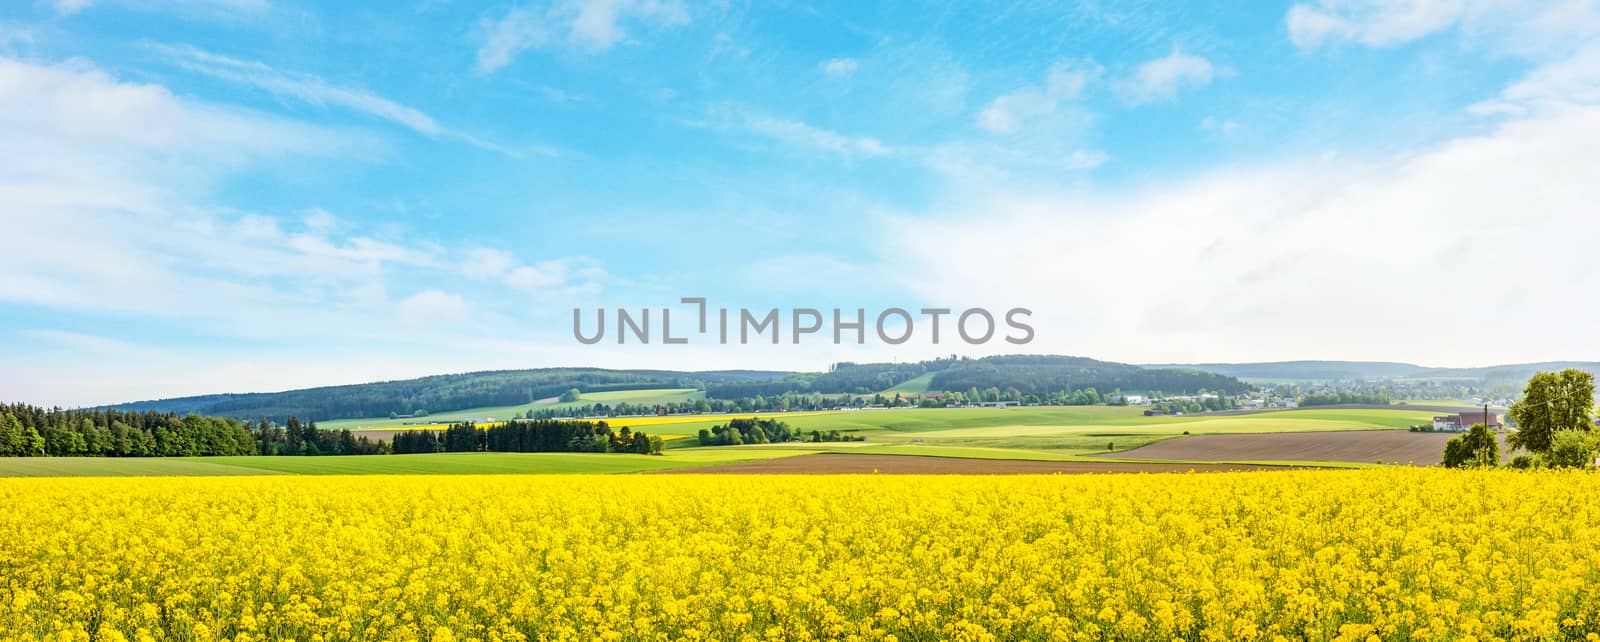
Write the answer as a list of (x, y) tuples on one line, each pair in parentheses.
[(1393, 554)]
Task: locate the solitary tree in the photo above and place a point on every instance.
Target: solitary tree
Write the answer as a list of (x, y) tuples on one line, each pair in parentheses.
[(1553, 401)]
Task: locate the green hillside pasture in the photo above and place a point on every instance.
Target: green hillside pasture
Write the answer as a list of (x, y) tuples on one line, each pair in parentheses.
[(502, 413), (644, 397), (911, 387), (431, 464)]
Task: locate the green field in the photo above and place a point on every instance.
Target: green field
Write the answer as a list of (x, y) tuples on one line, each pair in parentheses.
[(433, 464), (501, 413)]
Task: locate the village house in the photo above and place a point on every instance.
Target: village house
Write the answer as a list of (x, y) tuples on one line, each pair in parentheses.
[(998, 404), (1464, 421)]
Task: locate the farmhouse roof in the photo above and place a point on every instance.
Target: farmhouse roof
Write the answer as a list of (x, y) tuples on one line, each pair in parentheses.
[(1470, 418)]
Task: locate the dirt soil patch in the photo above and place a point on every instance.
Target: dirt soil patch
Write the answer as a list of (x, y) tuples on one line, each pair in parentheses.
[(1361, 446), (849, 464)]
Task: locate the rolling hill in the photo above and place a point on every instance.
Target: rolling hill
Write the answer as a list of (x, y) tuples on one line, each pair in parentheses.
[(1030, 374), (1375, 370)]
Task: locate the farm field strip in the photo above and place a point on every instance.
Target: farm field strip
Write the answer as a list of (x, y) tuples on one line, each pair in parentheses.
[(428, 464)]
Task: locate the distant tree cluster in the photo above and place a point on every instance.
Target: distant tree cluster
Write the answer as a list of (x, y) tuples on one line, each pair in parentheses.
[(526, 436), (1207, 403), (29, 431), (766, 431), (1333, 398), (296, 438)]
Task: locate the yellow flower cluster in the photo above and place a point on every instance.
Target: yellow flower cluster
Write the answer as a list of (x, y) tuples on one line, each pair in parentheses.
[(1395, 554)]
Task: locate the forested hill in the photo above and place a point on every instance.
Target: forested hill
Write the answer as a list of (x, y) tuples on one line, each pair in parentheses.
[(1028, 374), (1373, 370), (438, 393), (1040, 375)]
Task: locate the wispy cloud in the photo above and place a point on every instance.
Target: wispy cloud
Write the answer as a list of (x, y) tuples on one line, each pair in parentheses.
[(793, 133), (69, 7), (839, 67), (210, 9), (581, 25), (797, 133), (317, 91), (1162, 78)]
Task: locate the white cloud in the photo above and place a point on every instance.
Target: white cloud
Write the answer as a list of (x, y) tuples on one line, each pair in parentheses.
[(562, 277), (1524, 27), (70, 123), (1162, 78), (1086, 159), (486, 263), (839, 67), (432, 306), (104, 198), (1009, 112), (582, 25), (1566, 82), (1476, 250)]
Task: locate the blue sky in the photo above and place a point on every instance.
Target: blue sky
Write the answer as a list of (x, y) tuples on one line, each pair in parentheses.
[(228, 195)]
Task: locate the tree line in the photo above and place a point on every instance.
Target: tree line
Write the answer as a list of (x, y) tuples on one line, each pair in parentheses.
[(1336, 398), (32, 431), (766, 431), (528, 436)]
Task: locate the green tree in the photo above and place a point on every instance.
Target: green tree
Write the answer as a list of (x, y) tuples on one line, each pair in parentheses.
[(1552, 402), (1476, 449), (570, 395), (1573, 449), (12, 441)]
